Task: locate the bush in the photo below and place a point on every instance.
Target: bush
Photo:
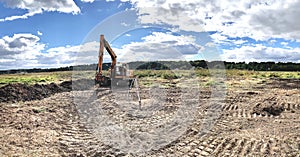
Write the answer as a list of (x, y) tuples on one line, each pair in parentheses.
[(169, 76), (274, 75)]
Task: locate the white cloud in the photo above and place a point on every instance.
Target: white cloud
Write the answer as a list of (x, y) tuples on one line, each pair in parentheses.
[(233, 21), (25, 16), (160, 37), (159, 46), (272, 41), (20, 43), (239, 42), (221, 39), (39, 33), (125, 24), (120, 5), (284, 43), (234, 18), (278, 19), (88, 1), (19, 50), (261, 53), (210, 44), (86, 53), (26, 51), (218, 38), (37, 7)]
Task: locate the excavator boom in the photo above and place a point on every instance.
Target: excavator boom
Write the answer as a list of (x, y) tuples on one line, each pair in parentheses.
[(104, 44)]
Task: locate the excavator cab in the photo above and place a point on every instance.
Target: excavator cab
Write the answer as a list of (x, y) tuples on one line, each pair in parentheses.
[(121, 70), (122, 76)]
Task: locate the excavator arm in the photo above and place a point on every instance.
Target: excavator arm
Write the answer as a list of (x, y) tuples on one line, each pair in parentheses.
[(111, 53), (99, 77), (105, 44)]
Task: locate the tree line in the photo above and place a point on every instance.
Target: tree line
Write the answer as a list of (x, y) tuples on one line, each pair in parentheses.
[(202, 64), (181, 65)]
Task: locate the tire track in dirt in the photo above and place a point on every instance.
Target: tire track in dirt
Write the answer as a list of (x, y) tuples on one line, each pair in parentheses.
[(288, 102), (134, 120), (237, 132), (219, 142), (77, 140), (219, 146)]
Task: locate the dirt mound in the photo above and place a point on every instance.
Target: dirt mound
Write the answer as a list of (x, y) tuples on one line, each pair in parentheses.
[(267, 109), (24, 92)]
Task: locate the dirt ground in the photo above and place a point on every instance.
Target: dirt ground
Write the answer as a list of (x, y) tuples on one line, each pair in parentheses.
[(255, 118)]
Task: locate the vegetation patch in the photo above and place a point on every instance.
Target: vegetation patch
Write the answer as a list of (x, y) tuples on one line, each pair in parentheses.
[(33, 78)]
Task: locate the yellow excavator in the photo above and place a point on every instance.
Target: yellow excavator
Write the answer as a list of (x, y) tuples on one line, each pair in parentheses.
[(119, 73)]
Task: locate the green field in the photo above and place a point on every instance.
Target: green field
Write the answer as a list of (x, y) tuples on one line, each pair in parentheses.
[(32, 78)]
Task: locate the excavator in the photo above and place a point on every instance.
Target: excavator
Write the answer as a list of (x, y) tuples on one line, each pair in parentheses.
[(119, 73)]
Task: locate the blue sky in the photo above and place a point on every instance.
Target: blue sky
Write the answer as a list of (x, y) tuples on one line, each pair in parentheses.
[(45, 34), (57, 27)]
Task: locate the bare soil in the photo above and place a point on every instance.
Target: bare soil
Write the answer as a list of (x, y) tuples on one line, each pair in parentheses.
[(25, 92), (260, 119)]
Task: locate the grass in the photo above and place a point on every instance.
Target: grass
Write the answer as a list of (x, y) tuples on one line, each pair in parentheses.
[(32, 78), (165, 74), (174, 74), (263, 74), (146, 75), (85, 74)]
